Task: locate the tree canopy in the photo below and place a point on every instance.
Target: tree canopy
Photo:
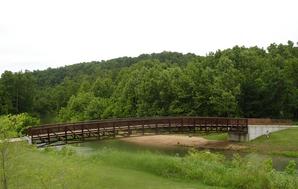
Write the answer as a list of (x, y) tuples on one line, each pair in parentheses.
[(236, 82)]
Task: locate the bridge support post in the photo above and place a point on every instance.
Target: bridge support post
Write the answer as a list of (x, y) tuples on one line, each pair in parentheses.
[(98, 133), (129, 132), (182, 125), (65, 134), (114, 131), (49, 139), (143, 129), (194, 126), (31, 139), (82, 132)]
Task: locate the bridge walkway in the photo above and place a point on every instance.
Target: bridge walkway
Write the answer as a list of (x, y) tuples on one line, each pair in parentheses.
[(103, 129)]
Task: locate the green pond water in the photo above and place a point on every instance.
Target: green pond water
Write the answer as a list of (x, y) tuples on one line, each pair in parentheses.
[(89, 148)]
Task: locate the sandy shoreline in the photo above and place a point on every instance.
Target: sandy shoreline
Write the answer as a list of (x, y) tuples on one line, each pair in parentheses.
[(182, 140)]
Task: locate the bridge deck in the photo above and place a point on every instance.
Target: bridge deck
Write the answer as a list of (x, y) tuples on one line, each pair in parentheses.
[(100, 129)]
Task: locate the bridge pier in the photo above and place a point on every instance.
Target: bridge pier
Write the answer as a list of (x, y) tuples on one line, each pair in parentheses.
[(238, 137)]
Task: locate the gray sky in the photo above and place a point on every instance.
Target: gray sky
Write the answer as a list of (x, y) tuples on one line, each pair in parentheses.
[(37, 34)]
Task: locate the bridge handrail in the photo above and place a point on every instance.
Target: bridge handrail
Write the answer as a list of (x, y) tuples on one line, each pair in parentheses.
[(131, 119), (240, 121)]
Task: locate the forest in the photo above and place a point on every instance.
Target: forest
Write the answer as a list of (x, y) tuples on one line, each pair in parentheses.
[(235, 82)]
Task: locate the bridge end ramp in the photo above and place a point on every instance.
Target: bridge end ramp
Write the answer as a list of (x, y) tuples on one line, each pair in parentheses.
[(255, 131)]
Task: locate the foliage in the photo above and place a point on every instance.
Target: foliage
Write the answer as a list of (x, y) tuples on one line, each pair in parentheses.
[(293, 154), (209, 168), (245, 82), (16, 91), (14, 125), (291, 168), (110, 167), (11, 126), (61, 169), (84, 106)]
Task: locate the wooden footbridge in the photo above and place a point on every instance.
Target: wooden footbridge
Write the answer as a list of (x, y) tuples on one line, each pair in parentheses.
[(50, 134)]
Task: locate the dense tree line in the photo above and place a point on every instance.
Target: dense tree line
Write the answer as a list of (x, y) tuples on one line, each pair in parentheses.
[(244, 82)]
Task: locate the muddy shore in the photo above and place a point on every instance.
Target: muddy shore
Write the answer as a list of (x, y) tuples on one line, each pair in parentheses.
[(183, 140)]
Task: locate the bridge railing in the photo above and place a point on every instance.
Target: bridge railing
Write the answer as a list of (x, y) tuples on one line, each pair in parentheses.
[(94, 124), (269, 121)]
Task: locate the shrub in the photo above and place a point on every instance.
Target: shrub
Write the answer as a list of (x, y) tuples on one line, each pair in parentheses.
[(291, 168), (17, 124), (210, 168)]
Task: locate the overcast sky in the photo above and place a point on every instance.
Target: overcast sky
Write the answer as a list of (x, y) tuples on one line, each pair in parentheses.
[(37, 34)]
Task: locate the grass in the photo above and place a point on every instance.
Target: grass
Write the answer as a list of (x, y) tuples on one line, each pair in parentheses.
[(120, 169), (209, 168), (32, 169), (291, 154), (215, 136), (117, 168), (283, 142)]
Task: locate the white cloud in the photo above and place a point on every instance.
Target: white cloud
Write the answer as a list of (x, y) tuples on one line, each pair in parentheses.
[(38, 34)]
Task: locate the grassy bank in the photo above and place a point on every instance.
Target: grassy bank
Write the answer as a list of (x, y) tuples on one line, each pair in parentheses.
[(30, 168), (121, 167), (114, 168), (209, 168), (283, 143)]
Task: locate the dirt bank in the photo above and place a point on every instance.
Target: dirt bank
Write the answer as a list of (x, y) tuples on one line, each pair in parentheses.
[(182, 140)]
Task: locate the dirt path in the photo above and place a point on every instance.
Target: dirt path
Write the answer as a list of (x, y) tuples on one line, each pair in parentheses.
[(182, 140)]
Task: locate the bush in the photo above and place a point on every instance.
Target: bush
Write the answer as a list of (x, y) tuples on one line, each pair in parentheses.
[(209, 168), (15, 125), (291, 168)]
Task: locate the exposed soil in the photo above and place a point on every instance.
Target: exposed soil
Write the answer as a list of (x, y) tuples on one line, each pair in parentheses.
[(183, 140)]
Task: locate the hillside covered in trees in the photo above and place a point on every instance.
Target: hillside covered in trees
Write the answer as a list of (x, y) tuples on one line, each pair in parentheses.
[(237, 82)]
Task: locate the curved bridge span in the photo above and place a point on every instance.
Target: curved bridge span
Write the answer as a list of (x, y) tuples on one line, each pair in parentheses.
[(102, 129)]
